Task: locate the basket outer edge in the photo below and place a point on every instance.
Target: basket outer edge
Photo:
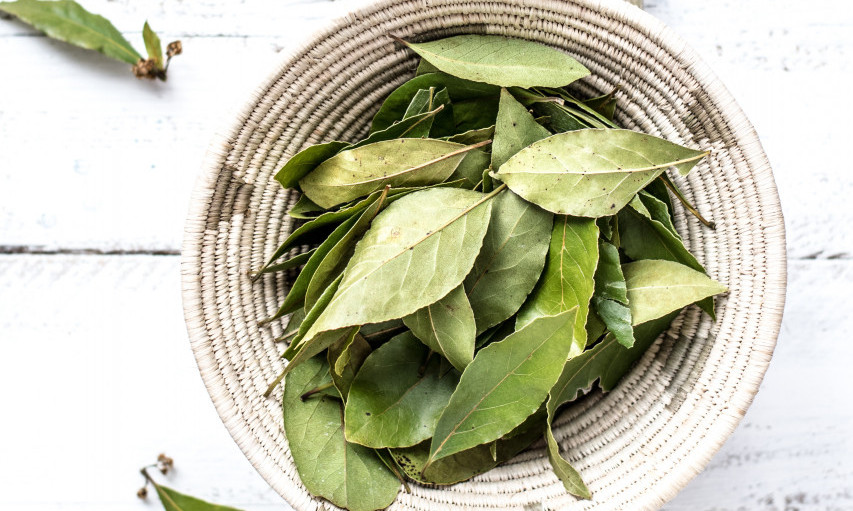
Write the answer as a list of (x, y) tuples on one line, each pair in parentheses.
[(657, 31)]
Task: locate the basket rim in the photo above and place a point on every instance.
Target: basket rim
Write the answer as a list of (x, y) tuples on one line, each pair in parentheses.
[(652, 28)]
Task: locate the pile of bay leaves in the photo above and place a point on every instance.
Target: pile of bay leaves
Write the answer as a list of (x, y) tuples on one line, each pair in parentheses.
[(492, 248)]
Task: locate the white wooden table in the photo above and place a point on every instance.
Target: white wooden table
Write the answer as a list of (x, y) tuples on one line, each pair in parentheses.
[(96, 170)]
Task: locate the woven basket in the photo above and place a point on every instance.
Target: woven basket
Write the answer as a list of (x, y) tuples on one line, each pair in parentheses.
[(637, 445)]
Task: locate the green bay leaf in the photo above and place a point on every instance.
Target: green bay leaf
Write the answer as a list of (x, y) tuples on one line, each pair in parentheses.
[(511, 260), (610, 298), (515, 129), (466, 464), (176, 501), (336, 258), (349, 475), (397, 395), (152, 45), (657, 287), (501, 61), (306, 160), (591, 172), (345, 359), (394, 107), (416, 251), (513, 375), (447, 327), (353, 173), (568, 278), (67, 21)]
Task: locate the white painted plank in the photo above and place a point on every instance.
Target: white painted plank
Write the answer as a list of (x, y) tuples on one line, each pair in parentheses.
[(99, 379), (93, 159), (793, 450)]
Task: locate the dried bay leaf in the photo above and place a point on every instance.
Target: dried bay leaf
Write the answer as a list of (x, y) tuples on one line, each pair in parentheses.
[(336, 258), (397, 395), (591, 172), (466, 464), (306, 160), (567, 280), (610, 298), (607, 362), (345, 359), (656, 288), (401, 162), (514, 374), (67, 21), (176, 501), (474, 113), (500, 61), (415, 126), (515, 129), (395, 105), (447, 327), (416, 251), (511, 260), (643, 236), (348, 475), (604, 105)]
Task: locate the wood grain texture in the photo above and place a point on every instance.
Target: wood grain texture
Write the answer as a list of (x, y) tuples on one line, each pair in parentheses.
[(122, 385)]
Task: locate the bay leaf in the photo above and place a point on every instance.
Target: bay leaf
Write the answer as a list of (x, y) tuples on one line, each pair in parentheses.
[(467, 464), (402, 162), (426, 100), (473, 136), (658, 190), (397, 395), (578, 108), (610, 298), (514, 374), (310, 318), (474, 113), (295, 297), (568, 278), (395, 105), (425, 67), (658, 210), (568, 475), (175, 501), (288, 264), (306, 160), (349, 475), (657, 287), (67, 21), (558, 118), (416, 251), (379, 333), (152, 45), (500, 60), (345, 359), (511, 260), (304, 209), (515, 129), (336, 258), (591, 172), (293, 323), (604, 105), (471, 167), (606, 362), (644, 237), (415, 126), (447, 327)]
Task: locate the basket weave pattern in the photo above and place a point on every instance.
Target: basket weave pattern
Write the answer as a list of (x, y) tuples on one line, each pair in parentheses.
[(637, 445)]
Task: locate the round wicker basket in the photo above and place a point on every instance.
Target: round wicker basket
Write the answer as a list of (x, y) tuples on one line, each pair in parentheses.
[(636, 446)]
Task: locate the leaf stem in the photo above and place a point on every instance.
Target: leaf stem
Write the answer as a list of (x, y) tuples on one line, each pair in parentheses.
[(316, 390), (275, 383), (684, 202)]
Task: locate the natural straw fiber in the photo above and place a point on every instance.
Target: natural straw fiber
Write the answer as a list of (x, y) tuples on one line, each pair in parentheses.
[(636, 446)]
